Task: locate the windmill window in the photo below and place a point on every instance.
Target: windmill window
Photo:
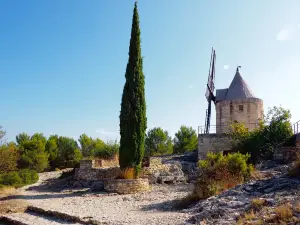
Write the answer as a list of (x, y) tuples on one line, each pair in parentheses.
[(241, 108)]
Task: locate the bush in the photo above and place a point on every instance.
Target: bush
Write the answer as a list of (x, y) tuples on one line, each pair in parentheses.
[(20, 178), (28, 176), (11, 179), (261, 143), (8, 158), (108, 151), (220, 172)]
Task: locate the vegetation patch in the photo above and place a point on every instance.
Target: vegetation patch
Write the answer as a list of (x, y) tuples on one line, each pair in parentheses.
[(220, 172), (19, 178), (284, 213), (261, 143)]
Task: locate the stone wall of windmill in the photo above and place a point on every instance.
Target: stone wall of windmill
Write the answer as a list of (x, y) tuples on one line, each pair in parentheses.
[(247, 111)]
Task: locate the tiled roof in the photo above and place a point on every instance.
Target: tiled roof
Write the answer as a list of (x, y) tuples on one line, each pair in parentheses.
[(238, 90)]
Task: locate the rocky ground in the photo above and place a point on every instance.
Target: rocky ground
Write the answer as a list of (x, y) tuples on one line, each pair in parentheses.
[(277, 188), (51, 201)]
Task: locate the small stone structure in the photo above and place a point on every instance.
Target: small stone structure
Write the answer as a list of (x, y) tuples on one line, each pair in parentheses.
[(126, 186), (212, 143), (157, 172), (93, 170)]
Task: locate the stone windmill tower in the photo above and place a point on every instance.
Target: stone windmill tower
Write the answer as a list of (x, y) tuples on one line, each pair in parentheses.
[(234, 104), (237, 104)]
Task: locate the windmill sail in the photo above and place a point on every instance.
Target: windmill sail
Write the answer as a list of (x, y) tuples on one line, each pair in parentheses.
[(210, 90)]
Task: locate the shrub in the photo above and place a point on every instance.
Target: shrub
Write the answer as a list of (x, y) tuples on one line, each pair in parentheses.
[(261, 143), (20, 178), (108, 151), (28, 176), (220, 172), (258, 203), (11, 179), (8, 158)]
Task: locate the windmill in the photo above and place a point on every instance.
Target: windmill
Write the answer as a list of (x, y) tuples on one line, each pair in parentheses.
[(210, 90)]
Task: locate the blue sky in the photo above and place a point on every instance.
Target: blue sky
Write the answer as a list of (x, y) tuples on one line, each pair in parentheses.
[(62, 63)]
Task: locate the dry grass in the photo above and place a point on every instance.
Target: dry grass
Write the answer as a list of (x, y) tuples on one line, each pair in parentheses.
[(259, 175), (12, 205), (127, 173), (258, 203), (282, 214), (7, 191)]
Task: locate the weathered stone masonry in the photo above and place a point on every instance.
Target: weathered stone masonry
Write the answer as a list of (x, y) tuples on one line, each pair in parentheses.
[(89, 170)]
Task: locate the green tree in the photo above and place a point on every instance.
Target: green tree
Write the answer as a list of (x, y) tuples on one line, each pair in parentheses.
[(87, 145), (185, 140), (69, 154), (21, 138), (9, 156), (133, 122), (53, 151), (261, 143), (158, 142), (2, 134), (32, 151)]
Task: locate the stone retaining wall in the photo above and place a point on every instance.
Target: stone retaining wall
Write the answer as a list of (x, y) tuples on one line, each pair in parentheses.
[(97, 170), (124, 186), (99, 163), (212, 143), (286, 154)]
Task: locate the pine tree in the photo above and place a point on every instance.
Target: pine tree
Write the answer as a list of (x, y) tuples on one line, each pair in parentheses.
[(133, 121)]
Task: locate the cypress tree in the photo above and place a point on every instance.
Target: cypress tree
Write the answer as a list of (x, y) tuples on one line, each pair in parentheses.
[(133, 121)]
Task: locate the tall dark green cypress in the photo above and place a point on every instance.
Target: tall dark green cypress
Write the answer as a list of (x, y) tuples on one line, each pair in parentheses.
[(133, 121)]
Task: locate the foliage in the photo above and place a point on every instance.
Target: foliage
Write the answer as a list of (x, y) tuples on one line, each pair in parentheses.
[(185, 140), (20, 178), (158, 142), (2, 134), (69, 154), (106, 151), (87, 145), (32, 152), (52, 149), (133, 107), (11, 179), (274, 131), (21, 138), (28, 176), (220, 172), (8, 158)]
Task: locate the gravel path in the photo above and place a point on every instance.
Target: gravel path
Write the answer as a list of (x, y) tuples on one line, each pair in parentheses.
[(149, 208)]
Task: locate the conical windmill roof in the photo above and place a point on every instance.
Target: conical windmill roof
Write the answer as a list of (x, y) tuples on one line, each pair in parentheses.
[(238, 90)]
